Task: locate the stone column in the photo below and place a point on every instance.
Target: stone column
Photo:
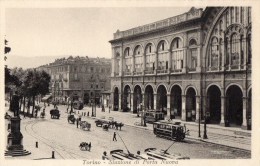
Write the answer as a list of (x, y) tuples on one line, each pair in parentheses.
[(156, 63), (168, 106), (198, 67), (119, 102), (198, 113), (143, 95), (169, 60), (132, 102), (155, 101), (184, 69), (144, 63), (223, 110), (244, 124), (183, 117), (133, 64)]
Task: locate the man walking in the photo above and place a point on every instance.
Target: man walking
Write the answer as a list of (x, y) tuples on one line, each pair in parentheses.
[(114, 137), (89, 146)]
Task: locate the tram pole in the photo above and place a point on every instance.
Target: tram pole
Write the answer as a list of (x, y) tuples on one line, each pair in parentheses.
[(199, 118)]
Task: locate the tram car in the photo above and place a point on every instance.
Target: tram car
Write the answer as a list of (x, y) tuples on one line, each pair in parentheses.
[(153, 116), (155, 154), (119, 154), (170, 130)]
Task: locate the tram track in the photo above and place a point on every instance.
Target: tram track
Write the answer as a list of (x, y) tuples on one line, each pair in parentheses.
[(60, 149)]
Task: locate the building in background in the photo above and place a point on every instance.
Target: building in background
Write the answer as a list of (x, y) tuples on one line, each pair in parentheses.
[(79, 78), (188, 66)]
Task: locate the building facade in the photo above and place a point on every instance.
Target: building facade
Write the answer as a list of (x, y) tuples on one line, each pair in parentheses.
[(79, 78), (190, 66)]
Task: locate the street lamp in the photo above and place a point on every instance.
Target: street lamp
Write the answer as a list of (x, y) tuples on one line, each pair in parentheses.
[(199, 118), (205, 125), (92, 114)]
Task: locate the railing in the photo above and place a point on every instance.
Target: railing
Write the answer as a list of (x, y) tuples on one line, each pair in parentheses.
[(138, 73), (127, 73), (162, 71), (176, 70), (149, 71), (192, 14)]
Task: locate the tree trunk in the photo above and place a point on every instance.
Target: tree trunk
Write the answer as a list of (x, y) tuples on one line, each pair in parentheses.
[(24, 104), (28, 106), (33, 106), (10, 100)]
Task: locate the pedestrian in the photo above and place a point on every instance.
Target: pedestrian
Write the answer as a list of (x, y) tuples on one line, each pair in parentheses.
[(89, 146), (138, 152), (77, 123), (104, 156), (24, 115), (88, 113), (144, 121), (109, 108), (114, 137)]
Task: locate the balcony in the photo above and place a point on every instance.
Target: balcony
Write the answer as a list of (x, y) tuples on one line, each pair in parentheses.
[(127, 73), (162, 71), (149, 72), (176, 70), (138, 73)]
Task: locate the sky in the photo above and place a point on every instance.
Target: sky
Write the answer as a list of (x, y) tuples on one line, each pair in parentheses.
[(45, 32)]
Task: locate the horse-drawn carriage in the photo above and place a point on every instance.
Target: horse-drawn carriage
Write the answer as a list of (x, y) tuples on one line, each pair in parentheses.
[(71, 119), (55, 113), (84, 146), (110, 123), (84, 125)]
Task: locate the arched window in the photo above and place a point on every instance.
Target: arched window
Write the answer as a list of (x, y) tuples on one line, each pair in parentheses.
[(234, 50), (177, 55), (128, 61), (162, 56), (242, 14), (214, 53), (193, 55), (117, 64), (138, 58), (249, 49), (150, 58), (221, 51)]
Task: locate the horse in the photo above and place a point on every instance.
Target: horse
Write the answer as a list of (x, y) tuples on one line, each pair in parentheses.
[(84, 145), (84, 125)]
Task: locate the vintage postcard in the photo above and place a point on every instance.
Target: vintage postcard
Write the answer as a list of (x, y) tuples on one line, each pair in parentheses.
[(130, 82)]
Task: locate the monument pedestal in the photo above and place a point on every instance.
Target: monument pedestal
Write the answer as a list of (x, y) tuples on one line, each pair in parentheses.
[(15, 139)]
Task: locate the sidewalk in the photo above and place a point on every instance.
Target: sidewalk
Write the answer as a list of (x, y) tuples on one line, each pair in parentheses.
[(227, 136)]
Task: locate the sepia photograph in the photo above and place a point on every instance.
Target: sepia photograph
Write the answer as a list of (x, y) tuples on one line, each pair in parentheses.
[(134, 85)]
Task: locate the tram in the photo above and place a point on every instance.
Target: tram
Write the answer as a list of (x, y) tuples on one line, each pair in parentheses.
[(153, 116), (170, 130)]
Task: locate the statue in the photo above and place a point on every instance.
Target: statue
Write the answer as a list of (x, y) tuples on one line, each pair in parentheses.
[(15, 104)]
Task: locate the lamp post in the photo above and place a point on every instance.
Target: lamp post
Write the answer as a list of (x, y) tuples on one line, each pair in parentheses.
[(205, 125), (92, 114), (199, 118)]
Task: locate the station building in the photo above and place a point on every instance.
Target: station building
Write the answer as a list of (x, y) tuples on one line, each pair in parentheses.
[(80, 78), (190, 66)]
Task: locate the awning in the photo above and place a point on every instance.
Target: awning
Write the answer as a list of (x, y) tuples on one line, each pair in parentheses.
[(46, 97)]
